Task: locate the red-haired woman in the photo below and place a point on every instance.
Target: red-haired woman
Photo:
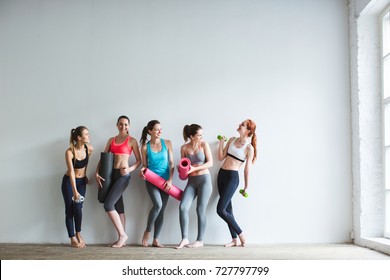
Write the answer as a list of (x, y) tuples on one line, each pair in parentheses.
[(75, 181), (237, 152)]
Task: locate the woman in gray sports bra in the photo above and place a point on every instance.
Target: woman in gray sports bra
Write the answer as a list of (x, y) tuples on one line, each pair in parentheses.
[(199, 183)]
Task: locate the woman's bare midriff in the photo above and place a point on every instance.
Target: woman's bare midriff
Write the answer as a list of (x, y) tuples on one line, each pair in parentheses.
[(78, 173), (231, 164), (121, 161), (200, 172)]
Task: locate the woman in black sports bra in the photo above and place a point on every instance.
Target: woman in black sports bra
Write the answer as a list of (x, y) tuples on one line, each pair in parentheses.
[(75, 181)]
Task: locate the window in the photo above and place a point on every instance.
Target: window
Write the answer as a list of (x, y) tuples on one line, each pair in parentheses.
[(386, 113)]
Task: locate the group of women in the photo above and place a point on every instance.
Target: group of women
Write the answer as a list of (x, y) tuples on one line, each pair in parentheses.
[(156, 154)]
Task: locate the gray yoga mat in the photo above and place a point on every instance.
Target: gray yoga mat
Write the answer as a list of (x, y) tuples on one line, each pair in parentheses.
[(105, 171)]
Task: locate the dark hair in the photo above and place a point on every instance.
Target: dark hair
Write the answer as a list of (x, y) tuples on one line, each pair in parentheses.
[(190, 130), (123, 117), (251, 126), (146, 129), (74, 133)]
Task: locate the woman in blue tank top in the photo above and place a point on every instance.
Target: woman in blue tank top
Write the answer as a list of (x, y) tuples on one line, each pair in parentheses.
[(157, 156)]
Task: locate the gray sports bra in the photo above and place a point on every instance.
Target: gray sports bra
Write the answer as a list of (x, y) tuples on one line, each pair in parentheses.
[(198, 158)]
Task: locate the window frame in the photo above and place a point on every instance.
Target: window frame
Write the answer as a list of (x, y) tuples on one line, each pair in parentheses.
[(385, 102)]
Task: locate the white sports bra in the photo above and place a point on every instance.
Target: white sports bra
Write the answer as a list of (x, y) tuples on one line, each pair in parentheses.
[(237, 153)]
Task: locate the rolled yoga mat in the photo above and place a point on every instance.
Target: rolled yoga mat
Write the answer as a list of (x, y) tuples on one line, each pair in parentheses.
[(158, 181), (105, 171), (184, 166)]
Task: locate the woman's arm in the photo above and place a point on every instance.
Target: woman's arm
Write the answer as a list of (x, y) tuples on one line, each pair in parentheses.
[(68, 159), (134, 146), (171, 164), (248, 165), (222, 151), (97, 176), (144, 160)]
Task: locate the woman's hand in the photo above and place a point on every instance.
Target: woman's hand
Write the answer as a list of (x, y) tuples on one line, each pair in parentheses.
[(76, 196), (168, 185), (141, 173), (99, 179), (123, 171)]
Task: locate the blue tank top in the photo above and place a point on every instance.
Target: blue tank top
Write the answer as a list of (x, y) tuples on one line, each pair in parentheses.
[(158, 161)]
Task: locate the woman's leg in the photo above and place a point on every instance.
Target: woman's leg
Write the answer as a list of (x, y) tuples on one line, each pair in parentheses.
[(204, 192), (67, 194), (227, 185), (114, 195), (185, 205), (160, 218), (81, 185), (155, 196)]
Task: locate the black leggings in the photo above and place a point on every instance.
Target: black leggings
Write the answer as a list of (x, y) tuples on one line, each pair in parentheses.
[(228, 181), (114, 199), (73, 211)]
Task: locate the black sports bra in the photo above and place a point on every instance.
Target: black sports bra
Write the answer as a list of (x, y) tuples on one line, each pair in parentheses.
[(78, 164)]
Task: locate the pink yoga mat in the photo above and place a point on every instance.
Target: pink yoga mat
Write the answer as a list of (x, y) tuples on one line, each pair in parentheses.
[(158, 181), (184, 166)]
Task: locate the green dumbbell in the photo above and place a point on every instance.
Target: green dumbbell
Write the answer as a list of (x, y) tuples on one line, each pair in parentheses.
[(244, 194)]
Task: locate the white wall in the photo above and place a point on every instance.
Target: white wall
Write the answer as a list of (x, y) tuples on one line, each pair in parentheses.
[(282, 63)]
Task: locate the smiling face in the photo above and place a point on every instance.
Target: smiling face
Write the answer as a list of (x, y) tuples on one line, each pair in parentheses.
[(123, 126), (197, 138), (85, 136), (243, 128), (156, 131)]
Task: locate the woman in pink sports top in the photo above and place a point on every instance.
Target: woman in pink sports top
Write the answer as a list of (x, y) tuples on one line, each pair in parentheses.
[(122, 146)]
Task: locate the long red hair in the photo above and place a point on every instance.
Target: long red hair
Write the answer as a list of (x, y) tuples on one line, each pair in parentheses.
[(251, 126)]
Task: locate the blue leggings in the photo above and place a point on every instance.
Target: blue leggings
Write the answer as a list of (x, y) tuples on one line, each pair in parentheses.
[(197, 186), (73, 211), (228, 181), (156, 214), (114, 199)]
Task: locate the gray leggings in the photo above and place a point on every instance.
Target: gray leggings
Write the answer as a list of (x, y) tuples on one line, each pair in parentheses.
[(156, 214), (197, 185), (114, 199)]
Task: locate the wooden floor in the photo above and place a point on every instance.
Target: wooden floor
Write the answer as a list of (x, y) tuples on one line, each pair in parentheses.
[(208, 252)]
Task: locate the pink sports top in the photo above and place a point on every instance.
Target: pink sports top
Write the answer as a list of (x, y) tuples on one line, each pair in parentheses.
[(122, 149)]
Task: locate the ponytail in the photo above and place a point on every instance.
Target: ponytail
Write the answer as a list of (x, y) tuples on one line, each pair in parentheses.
[(254, 144), (72, 140), (190, 130), (146, 129), (186, 133), (144, 136), (251, 126)]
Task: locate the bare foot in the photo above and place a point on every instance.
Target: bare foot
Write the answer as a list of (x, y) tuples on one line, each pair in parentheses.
[(145, 239), (233, 243), (242, 239), (80, 240), (121, 242), (196, 244), (115, 243), (75, 243), (183, 243), (156, 243)]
